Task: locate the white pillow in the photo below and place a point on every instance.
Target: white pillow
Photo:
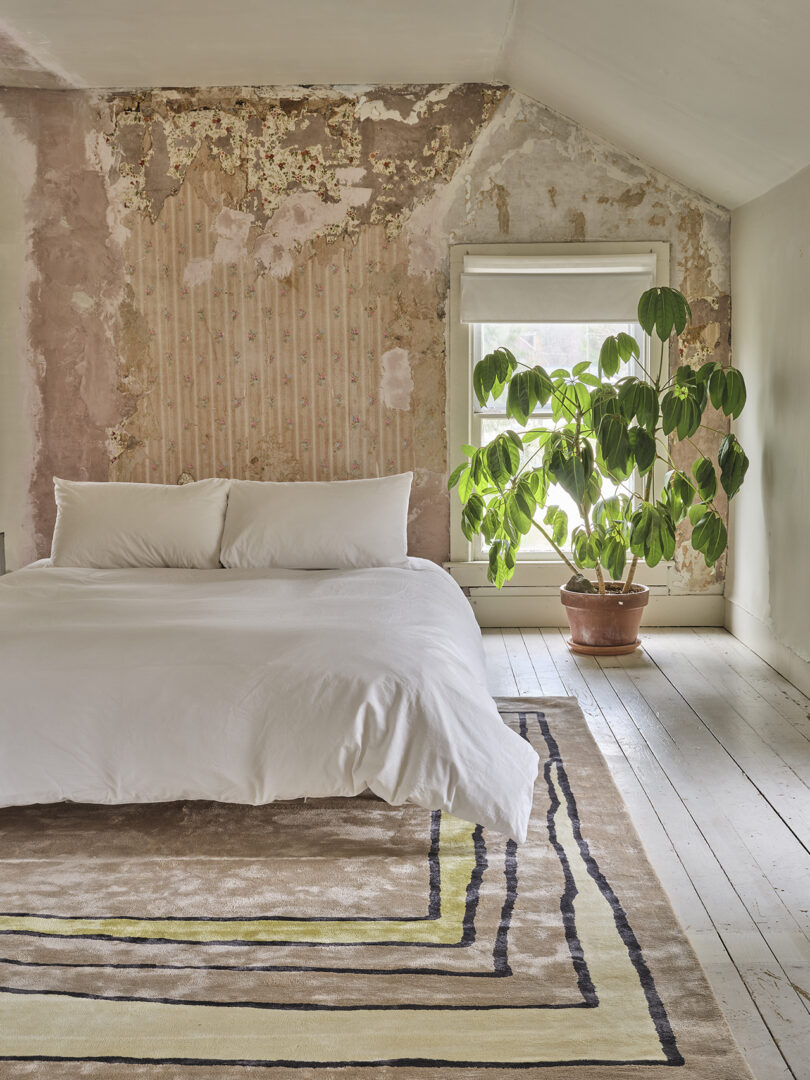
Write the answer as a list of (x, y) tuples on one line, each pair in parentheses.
[(111, 525), (312, 525)]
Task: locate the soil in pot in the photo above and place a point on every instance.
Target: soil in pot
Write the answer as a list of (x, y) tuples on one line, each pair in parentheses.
[(605, 625)]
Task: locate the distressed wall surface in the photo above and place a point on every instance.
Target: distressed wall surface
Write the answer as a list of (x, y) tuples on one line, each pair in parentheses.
[(16, 375), (253, 282)]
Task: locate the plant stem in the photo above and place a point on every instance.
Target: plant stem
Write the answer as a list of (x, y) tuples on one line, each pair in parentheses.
[(600, 577), (558, 549), (660, 367), (632, 571)]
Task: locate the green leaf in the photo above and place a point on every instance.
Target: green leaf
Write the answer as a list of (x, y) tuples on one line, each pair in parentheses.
[(685, 376), (466, 486), (709, 537), (538, 483), (609, 361), (614, 441), (643, 449), (734, 393), (614, 556), (492, 373), (558, 520), (662, 309), (519, 511), (468, 449), (610, 511), (628, 347), (645, 535), (647, 406), (579, 367), (680, 493), (617, 350), (705, 371), (484, 378), (503, 459), (717, 386), (671, 408), (690, 418), (580, 550), (593, 489), (680, 411), (664, 315), (455, 475), (706, 478), (682, 485), (589, 379), (696, 512), (569, 470), (501, 562), (479, 468), (583, 396), (520, 400), (535, 435), (595, 544), (472, 514), (603, 401), (565, 403), (508, 529), (652, 533), (667, 531), (733, 464), (543, 386), (505, 364), (629, 392), (525, 493), (491, 523)]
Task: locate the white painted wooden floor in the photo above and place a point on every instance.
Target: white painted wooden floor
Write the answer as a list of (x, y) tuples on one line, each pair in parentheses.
[(710, 749)]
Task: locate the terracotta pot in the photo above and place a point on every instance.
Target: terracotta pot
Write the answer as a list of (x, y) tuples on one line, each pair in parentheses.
[(605, 625)]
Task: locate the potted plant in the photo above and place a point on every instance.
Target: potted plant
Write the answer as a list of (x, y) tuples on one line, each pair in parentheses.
[(607, 432)]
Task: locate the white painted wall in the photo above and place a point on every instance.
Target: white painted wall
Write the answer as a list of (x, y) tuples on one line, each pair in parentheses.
[(768, 587), (16, 405)]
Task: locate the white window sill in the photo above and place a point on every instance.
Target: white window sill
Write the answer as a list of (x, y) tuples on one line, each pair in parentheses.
[(545, 574)]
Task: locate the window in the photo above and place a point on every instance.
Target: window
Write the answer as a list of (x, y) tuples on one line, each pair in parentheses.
[(549, 304)]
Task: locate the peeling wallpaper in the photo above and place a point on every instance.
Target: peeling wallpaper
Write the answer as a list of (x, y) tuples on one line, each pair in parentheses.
[(253, 283)]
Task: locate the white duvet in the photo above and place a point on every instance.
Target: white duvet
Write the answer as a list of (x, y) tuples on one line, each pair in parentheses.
[(249, 686)]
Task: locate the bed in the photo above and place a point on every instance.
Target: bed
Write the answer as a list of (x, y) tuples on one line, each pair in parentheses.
[(252, 685)]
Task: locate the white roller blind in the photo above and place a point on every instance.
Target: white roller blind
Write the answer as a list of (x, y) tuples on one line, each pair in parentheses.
[(515, 289)]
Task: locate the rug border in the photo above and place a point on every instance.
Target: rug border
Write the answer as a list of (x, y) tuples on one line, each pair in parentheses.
[(512, 704)]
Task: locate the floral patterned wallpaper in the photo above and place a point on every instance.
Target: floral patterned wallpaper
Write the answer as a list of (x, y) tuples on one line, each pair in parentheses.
[(276, 331)]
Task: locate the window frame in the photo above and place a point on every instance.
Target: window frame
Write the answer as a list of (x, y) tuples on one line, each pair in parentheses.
[(461, 419)]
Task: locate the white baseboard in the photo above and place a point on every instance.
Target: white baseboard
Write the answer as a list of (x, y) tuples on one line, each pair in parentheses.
[(529, 609), (757, 635)]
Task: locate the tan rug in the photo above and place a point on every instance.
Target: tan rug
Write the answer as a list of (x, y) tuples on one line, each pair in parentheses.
[(350, 938)]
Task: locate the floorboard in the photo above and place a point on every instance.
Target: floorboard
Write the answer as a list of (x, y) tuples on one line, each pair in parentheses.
[(710, 749)]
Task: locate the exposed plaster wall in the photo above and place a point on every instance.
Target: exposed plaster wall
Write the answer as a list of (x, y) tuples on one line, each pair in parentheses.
[(253, 283), (17, 401)]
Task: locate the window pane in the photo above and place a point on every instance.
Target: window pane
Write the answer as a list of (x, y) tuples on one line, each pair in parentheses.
[(552, 345)]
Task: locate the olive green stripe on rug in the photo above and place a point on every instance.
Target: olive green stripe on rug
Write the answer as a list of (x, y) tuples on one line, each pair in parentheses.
[(351, 937)]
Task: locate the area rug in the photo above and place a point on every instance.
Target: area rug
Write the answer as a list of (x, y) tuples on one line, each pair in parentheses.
[(351, 938)]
